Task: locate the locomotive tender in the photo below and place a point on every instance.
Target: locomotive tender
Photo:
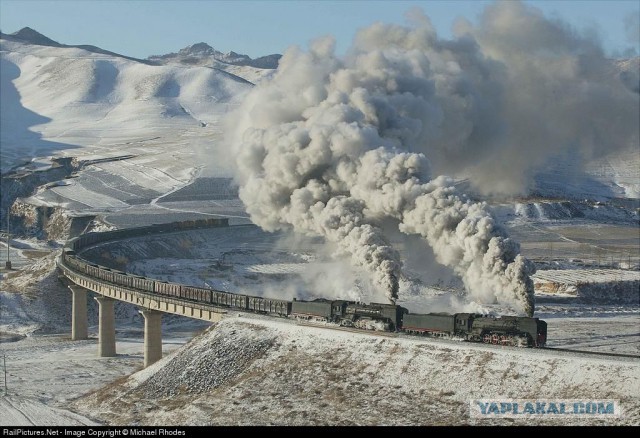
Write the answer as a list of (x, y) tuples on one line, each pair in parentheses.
[(503, 330)]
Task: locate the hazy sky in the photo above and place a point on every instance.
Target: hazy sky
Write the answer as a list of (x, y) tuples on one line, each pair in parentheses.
[(141, 28)]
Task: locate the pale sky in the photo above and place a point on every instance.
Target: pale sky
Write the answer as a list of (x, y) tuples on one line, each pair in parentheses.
[(141, 28)]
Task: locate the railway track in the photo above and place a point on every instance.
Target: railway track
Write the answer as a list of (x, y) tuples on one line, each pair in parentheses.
[(395, 335), (596, 353)]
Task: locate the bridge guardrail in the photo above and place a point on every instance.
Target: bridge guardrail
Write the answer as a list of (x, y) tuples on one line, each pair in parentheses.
[(79, 270)]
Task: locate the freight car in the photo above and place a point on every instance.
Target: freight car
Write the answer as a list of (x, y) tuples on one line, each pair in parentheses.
[(269, 306)]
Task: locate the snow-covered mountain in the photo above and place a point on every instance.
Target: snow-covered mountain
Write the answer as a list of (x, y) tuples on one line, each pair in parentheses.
[(203, 53), (163, 115), (57, 97), (85, 104)]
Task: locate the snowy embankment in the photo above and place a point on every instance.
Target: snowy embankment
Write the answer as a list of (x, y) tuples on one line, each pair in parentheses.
[(259, 372)]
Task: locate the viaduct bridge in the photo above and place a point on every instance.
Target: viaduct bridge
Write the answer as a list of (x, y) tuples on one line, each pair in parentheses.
[(82, 276)]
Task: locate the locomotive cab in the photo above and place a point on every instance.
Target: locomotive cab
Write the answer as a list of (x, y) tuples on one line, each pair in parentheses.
[(462, 325)]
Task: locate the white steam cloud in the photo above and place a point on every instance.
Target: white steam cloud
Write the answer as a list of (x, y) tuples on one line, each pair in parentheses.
[(336, 146)]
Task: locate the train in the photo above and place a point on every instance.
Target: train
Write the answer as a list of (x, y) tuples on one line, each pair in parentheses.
[(499, 330)]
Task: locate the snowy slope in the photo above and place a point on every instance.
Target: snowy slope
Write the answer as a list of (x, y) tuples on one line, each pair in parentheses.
[(258, 372), (137, 131), (20, 411), (614, 176), (56, 99)]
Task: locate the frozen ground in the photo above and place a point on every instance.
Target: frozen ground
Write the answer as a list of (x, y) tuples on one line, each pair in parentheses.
[(45, 369)]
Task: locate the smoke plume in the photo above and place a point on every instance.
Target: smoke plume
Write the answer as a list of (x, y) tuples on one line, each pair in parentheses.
[(334, 146)]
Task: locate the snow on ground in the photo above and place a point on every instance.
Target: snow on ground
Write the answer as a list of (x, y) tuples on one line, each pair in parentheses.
[(45, 369), (591, 285), (246, 371), (573, 276), (141, 131), (45, 372), (609, 177)]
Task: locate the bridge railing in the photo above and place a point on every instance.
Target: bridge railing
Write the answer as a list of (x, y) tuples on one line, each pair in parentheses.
[(93, 276)]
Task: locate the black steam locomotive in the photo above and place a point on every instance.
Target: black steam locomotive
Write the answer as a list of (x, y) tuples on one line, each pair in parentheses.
[(503, 330)]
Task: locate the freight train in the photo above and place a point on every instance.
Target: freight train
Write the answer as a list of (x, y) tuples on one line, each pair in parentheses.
[(502, 330)]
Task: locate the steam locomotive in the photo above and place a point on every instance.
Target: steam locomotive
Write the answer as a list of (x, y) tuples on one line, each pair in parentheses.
[(502, 330)]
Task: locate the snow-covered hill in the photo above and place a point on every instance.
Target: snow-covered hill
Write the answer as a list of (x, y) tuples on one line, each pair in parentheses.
[(30, 36), (250, 372), (97, 107), (57, 96)]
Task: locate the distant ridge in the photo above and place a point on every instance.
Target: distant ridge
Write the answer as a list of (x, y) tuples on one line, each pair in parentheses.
[(31, 36), (26, 34), (202, 53), (197, 54)]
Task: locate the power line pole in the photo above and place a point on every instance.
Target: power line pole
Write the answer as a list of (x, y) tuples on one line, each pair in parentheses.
[(4, 359)]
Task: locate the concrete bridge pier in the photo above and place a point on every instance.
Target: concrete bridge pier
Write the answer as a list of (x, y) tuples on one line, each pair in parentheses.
[(107, 327), (79, 322), (152, 336)]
